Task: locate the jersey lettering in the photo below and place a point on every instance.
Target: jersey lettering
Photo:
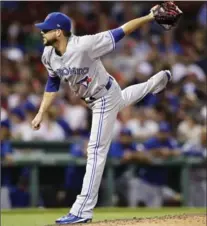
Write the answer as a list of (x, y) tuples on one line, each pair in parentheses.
[(71, 71)]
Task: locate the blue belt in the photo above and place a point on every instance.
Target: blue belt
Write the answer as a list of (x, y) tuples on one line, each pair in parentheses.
[(107, 86)]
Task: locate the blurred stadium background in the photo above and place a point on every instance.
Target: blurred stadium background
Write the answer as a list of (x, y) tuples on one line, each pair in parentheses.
[(167, 130)]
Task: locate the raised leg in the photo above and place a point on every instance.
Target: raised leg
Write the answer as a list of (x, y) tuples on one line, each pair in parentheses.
[(155, 84)]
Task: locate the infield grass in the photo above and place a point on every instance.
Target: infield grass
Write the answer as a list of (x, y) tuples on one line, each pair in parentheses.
[(42, 217)]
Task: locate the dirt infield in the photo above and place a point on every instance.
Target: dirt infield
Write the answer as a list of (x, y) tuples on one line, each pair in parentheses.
[(182, 220)]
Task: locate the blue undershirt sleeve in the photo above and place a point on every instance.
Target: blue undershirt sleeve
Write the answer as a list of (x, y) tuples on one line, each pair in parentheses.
[(118, 34), (53, 84)]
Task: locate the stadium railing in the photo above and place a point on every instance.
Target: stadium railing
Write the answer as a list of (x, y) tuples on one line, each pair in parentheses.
[(57, 154)]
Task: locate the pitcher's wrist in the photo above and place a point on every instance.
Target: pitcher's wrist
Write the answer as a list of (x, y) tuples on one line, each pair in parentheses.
[(41, 113)]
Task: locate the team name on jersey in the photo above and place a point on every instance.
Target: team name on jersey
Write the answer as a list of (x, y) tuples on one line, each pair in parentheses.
[(71, 71)]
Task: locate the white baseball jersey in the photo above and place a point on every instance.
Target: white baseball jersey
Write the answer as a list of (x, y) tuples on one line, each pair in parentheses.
[(80, 65)]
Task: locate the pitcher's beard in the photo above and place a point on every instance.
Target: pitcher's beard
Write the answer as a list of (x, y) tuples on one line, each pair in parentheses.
[(49, 42)]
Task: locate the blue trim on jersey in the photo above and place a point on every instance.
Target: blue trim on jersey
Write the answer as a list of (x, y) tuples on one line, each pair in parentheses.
[(118, 34), (168, 75), (113, 41), (53, 84), (95, 157)]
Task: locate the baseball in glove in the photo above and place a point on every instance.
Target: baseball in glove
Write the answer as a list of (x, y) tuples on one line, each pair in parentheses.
[(166, 14)]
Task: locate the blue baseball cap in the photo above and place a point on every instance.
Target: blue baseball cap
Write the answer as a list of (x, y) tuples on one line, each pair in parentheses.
[(55, 20), (164, 127), (126, 132), (18, 112), (29, 107), (6, 123)]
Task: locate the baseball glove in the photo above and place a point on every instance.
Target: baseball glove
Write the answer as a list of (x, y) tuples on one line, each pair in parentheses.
[(167, 14)]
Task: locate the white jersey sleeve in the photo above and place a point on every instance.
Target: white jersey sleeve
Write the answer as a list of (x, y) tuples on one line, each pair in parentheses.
[(46, 61), (100, 44)]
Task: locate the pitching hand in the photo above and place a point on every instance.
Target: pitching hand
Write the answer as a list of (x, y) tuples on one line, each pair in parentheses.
[(37, 121)]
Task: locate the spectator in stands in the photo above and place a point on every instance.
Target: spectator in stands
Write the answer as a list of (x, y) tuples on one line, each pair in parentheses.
[(21, 94), (76, 109), (151, 185), (123, 117), (198, 175), (17, 117), (125, 62), (65, 194), (202, 15), (172, 97), (142, 128), (11, 196), (24, 129), (65, 126), (6, 156), (189, 130), (19, 194), (123, 173), (144, 70), (33, 44)]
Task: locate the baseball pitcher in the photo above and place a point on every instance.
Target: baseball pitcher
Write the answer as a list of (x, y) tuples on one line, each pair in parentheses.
[(76, 61)]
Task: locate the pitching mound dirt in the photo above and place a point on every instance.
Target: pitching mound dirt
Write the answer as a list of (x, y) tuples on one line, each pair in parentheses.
[(182, 220)]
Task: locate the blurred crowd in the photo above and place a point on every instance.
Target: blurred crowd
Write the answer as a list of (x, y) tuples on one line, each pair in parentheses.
[(172, 120)]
